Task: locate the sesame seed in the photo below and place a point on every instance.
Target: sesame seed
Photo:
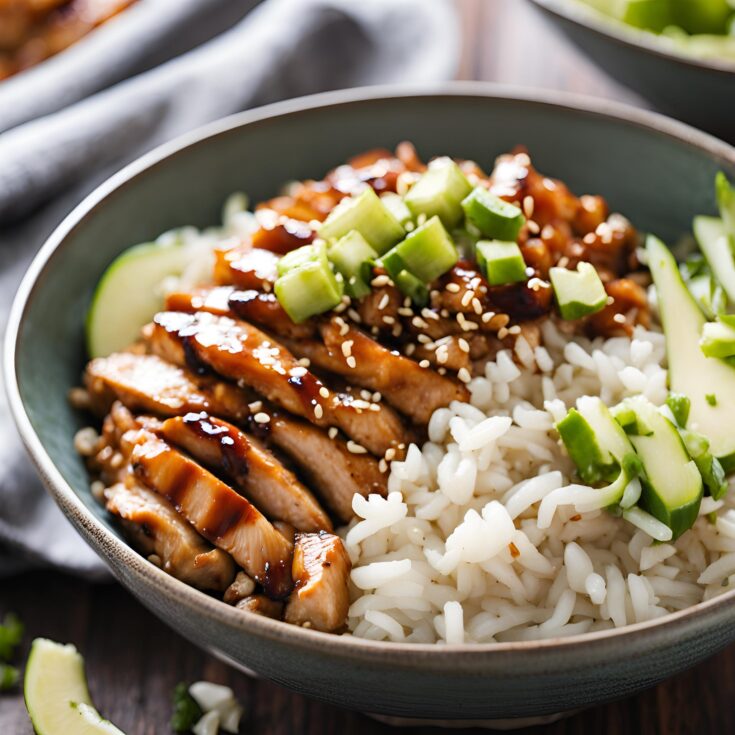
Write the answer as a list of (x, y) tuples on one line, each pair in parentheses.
[(261, 418), (347, 347), (365, 395), (297, 372), (397, 330), (528, 205), (255, 406), (351, 362), (610, 301), (477, 306), (466, 325), (548, 232), (514, 330), (619, 318), (324, 392), (381, 280), (410, 348), (318, 411), (442, 354), (383, 301), (452, 287), (442, 371), (563, 261), (424, 339), (377, 397), (374, 331), (464, 345), (304, 362), (487, 316), (433, 294), (389, 320), (407, 302), (355, 448), (333, 431), (390, 454), (464, 375), (424, 363), (429, 314), (383, 466), (533, 227), (405, 311), (419, 323), (354, 316), (502, 332), (467, 297), (444, 313)]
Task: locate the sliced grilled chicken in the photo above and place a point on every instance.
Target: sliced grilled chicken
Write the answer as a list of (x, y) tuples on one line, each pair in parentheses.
[(334, 472), (214, 300), (217, 512), (261, 605), (400, 380), (253, 470), (246, 267), (154, 527), (265, 309), (241, 352), (321, 570), (451, 352)]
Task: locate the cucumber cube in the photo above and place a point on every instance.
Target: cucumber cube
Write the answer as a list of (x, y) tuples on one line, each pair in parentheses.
[(494, 217), (649, 15), (300, 256), (717, 340), (439, 192), (578, 293), (412, 287), (352, 256), (501, 262), (368, 215), (397, 207), (428, 252), (584, 450)]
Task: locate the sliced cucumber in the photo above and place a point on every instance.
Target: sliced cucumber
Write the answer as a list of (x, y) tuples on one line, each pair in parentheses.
[(439, 192), (714, 242), (578, 292), (56, 693), (691, 373), (672, 491), (128, 294)]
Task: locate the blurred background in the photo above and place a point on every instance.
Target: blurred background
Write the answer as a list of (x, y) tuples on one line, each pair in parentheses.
[(151, 70)]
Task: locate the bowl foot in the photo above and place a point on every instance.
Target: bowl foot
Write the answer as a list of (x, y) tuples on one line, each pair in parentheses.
[(500, 724)]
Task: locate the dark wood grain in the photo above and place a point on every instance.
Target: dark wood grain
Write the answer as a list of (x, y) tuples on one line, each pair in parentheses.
[(134, 661)]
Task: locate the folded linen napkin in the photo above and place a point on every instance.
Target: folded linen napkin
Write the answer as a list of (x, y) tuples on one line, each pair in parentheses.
[(281, 49)]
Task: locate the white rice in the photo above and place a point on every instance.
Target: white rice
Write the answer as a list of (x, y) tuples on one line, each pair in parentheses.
[(485, 536)]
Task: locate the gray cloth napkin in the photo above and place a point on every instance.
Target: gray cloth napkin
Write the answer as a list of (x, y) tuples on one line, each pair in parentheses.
[(281, 49)]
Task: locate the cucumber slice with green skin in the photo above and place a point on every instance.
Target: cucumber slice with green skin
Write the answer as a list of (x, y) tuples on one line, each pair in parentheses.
[(630, 421), (501, 262), (128, 295), (410, 286), (439, 192), (428, 252), (715, 243), (680, 406), (673, 489), (717, 340), (299, 257), (397, 207), (368, 215), (711, 469), (578, 293), (56, 693), (691, 373), (584, 449), (494, 217)]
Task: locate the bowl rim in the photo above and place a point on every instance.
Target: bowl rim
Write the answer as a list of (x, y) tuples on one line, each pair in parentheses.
[(106, 544), (575, 12)]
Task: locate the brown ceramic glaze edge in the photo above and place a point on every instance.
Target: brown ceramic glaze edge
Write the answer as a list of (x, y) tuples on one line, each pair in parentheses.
[(467, 658)]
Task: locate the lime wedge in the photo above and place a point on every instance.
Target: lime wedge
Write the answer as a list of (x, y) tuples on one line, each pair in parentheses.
[(56, 692)]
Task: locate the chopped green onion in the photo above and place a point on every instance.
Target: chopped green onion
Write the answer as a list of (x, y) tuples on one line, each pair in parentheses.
[(308, 289), (439, 192), (412, 287), (578, 293), (369, 216), (427, 252), (186, 712), (501, 262), (494, 217), (679, 404), (711, 398), (352, 256)]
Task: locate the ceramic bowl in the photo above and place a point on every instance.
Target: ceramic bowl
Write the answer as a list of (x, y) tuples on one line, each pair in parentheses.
[(698, 91), (656, 171)]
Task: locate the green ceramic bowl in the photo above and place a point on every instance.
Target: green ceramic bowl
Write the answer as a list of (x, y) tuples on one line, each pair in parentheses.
[(656, 171), (698, 91)]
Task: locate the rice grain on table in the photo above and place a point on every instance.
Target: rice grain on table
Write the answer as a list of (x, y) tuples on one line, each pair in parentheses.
[(486, 534)]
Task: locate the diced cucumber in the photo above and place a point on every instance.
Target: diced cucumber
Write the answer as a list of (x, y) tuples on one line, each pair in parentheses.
[(428, 252), (630, 421), (672, 490), (494, 217), (649, 15), (368, 215), (439, 192), (56, 693), (397, 207), (691, 373), (715, 243), (717, 340), (309, 288), (296, 258), (578, 293), (412, 287), (129, 294), (352, 256), (701, 16), (501, 262)]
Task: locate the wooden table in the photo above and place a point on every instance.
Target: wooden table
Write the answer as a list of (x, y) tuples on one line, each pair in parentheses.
[(134, 661)]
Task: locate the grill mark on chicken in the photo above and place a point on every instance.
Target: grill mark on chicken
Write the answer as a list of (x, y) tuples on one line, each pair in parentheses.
[(240, 351), (216, 511), (321, 569), (254, 471), (154, 527)]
